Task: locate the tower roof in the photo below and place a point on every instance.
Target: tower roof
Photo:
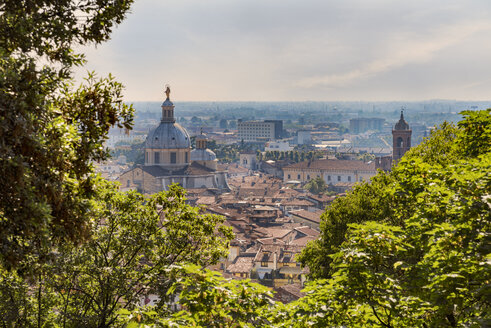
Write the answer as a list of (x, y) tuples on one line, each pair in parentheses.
[(402, 124)]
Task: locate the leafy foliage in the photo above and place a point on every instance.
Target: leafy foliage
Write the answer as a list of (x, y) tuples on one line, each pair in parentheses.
[(209, 300), (134, 242), (50, 133), (366, 202), (426, 262), (316, 186)]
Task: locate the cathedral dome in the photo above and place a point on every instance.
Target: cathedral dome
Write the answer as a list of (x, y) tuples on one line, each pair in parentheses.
[(168, 135), (202, 155)]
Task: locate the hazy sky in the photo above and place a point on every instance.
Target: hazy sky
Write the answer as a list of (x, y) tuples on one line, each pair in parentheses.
[(274, 50)]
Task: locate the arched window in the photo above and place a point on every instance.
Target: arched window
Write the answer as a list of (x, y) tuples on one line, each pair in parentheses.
[(400, 142)]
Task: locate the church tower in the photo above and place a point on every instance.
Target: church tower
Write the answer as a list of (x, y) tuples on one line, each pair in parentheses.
[(401, 136)]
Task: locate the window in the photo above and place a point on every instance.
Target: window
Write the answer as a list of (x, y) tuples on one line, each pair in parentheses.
[(339, 178), (308, 176), (173, 158), (146, 156), (298, 176), (127, 183), (186, 157), (349, 178), (328, 178), (156, 158)]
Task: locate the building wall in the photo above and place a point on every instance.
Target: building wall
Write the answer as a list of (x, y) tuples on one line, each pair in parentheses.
[(304, 137), (165, 156), (278, 146), (256, 130), (137, 179), (248, 161), (305, 222), (401, 143), (330, 176)]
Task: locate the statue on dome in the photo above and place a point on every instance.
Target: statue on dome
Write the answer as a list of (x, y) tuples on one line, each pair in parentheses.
[(167, 91)]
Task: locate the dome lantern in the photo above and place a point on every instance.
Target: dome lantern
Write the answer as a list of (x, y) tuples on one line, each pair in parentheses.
[(167, 108)]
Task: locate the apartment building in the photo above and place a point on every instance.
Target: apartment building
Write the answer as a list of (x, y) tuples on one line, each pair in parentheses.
[(257, 131)]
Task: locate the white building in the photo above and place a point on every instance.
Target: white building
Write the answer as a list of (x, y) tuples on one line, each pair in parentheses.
[(278, 146), (333, 171)]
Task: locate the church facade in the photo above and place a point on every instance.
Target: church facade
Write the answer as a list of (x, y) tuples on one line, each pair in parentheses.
[(169, 159)]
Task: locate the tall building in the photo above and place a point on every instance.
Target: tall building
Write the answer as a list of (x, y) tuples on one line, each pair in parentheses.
[(401, 142), (401, 139), (257, 131)]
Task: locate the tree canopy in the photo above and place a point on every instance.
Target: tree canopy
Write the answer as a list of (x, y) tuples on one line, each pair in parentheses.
[(416, 253), (134, 244), (50, 131)]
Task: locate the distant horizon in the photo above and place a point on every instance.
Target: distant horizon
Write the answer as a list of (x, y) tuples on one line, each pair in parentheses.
[(315, 101)]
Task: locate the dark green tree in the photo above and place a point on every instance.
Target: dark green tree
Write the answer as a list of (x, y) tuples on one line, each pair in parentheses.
[(51, 132)]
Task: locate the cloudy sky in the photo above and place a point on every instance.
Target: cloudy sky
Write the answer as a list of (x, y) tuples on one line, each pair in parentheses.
[(284, 50)]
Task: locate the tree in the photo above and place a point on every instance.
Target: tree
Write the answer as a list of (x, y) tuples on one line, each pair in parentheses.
[(373, 200), (209, 300), (366, 201), (424, 262), (316, 186), (51, 133), (134, 244)]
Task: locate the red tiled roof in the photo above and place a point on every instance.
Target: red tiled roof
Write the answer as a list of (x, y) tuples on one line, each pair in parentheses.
[(297, 202), (312, 216), (334, 164), (241, 264), (302, 241), (206, 200), (308, 231)]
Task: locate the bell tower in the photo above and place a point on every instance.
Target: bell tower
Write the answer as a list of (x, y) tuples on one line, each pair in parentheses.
[(401, 138)]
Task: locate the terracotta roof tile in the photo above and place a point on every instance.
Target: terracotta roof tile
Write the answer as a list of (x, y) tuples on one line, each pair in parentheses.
[(312, 216), (241, 264), (334, 164)]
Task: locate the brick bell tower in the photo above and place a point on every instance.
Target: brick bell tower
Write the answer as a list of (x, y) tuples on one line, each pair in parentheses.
[(401, 136)]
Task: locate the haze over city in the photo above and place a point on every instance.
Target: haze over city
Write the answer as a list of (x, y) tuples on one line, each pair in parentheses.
[(301, 50)]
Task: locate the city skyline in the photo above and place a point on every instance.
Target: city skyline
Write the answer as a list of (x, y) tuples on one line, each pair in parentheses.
[(292, 51)]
